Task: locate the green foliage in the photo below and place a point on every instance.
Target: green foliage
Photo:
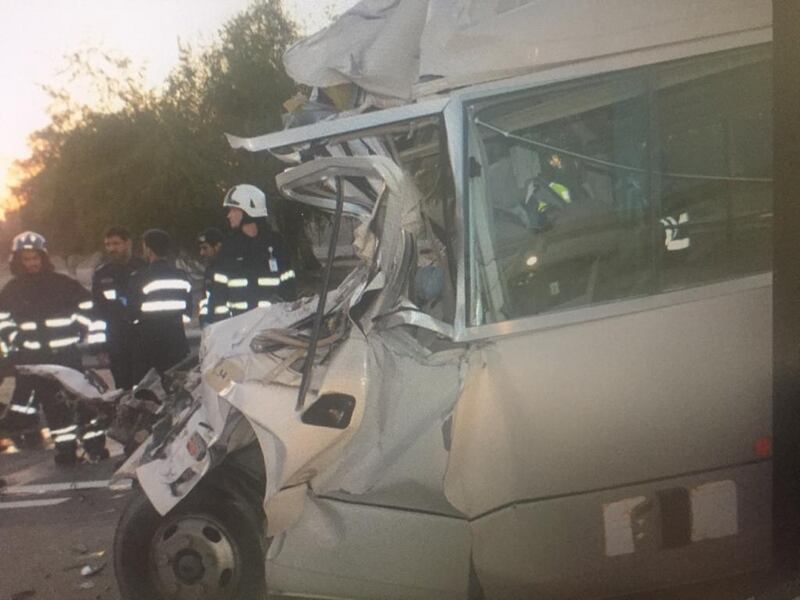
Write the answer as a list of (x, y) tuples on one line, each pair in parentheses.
[(128, 155)]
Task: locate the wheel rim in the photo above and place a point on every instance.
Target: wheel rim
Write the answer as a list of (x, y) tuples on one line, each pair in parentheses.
[(194, 558)]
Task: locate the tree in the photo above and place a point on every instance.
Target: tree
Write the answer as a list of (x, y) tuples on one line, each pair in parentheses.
[(120, 153)]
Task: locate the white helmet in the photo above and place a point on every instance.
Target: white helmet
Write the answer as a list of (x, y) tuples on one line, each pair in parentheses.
[(247, 197), (29, 240)]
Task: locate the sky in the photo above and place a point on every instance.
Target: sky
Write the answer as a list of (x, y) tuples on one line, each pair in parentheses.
[(38, 33)]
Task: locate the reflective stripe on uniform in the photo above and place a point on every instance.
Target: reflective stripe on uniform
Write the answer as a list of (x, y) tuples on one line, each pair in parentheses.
[(5, 315), (96, 338), (264, 303), (288, 275), (25, 410), (59, 322), (88, 305), (185, 318), (28, 326), (269, 281), (31, 345), (203, 305), (220, 310), (163, 305), (167, 284), (7, 325), (237, 283), (238, 305), (220, 278), (561, 191), (98, 326), (110, 294), (85, 321), (63, 342)]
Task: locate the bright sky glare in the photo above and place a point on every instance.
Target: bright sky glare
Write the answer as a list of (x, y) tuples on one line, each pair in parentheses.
[(38, 33)]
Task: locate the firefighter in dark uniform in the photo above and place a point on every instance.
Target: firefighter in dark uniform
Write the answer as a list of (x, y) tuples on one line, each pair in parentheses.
[(253, 268), (110, 284), (43, 317), (161, 301), (209, 244)]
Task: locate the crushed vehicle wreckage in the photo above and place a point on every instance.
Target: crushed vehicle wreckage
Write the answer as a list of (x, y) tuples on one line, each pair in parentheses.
[(519, 390)]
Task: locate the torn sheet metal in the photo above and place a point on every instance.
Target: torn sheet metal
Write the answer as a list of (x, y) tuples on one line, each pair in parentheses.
[(386, 373), (293, 181), (79, 384), (408, 49), (233, 339), (417, 318), (295, 451), (401, 188), (374, 44), (401, 221), (400, 373), (182, 463), (281, 142), (235, 376)]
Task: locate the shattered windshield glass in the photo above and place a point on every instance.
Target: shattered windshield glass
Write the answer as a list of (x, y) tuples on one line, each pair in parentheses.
[(374, 191)]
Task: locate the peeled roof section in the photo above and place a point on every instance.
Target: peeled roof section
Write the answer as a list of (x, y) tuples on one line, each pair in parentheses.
[(406, 49)]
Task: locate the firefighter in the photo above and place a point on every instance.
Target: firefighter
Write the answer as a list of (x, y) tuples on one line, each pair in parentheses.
[(43, 317), (559, 188), (253, 269), (110, 284), (161, 301), (209, 244)]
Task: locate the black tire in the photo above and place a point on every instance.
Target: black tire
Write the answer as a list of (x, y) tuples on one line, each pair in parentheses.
[(145, 560)]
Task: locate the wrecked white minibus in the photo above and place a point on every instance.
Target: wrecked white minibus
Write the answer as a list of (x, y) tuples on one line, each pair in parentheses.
[(549, 375)]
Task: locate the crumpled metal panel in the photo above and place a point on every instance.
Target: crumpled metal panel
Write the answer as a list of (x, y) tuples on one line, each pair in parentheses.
[(299, 450), (74, 381), (412, 48), (409, 391), (169, 477), (374, 38)]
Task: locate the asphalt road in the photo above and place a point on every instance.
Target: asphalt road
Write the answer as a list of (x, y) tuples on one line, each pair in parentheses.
[(54, 521)]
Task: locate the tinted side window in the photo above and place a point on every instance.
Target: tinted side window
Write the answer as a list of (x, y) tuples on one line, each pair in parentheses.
[(619, 186), (715, 143)]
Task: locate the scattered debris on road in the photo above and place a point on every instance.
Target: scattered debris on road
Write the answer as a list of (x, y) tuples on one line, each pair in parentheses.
[(92, 569)]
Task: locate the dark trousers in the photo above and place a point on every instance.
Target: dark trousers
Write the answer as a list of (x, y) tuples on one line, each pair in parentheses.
[(160, 344), (32, 393), (122, 353), (122, 369)]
